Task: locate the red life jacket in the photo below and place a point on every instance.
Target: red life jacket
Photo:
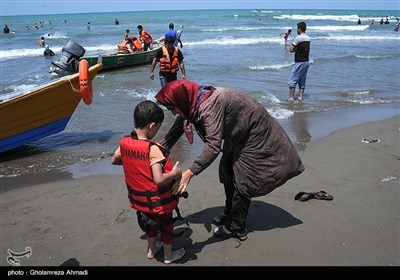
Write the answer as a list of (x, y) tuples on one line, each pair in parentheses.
[(169, 64), (144, 194)]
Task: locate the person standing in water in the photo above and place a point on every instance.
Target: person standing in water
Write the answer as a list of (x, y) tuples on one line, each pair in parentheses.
[(301, 49)]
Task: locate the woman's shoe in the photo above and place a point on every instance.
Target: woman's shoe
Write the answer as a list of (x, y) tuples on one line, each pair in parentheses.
[(223, 232), (220, 219)]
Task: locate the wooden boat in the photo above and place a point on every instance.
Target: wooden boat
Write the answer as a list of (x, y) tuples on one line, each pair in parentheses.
[(117, 61), (26, 117)]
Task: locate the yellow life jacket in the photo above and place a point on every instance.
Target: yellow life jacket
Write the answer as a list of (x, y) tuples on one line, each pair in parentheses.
[(167, 64)]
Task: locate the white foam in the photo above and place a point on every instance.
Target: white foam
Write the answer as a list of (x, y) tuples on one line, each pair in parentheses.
[(352, 18), (271, 66), (279, 113), (338, 27)]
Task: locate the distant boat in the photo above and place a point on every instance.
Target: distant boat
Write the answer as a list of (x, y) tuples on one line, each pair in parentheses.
[(26, 117), (116, 61)]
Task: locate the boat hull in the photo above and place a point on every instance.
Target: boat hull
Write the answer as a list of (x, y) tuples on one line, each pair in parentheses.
[(117, 61), (40, 113)]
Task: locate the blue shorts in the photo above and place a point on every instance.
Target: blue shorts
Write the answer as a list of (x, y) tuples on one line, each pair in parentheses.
[(299, 75)]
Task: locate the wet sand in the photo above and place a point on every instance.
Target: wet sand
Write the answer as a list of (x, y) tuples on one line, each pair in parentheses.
[(89, 219)]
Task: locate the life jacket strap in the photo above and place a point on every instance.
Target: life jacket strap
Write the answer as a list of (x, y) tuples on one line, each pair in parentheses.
[(145, 222), (148, 194)]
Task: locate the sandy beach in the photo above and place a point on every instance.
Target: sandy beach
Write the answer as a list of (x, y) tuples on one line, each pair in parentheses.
[(89, 219)]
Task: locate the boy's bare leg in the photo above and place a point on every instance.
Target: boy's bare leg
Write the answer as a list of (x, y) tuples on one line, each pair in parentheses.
[(153, 247), (171, 256)]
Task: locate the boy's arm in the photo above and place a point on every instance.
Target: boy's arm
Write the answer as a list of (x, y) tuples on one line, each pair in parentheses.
[(116, 159), (162, 179)]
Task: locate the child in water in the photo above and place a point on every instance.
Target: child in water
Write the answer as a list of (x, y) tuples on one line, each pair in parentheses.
[(286, 35)]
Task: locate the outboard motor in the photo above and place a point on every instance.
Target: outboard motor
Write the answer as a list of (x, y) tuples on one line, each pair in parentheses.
[(71, 53)]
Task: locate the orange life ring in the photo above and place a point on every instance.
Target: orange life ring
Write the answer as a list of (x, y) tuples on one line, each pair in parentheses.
[(85, 84)]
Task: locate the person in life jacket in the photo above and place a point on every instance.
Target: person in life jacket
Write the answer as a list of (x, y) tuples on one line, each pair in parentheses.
[(136, 44), (125, 46), (170, 59), (145, 37), (149, 176)]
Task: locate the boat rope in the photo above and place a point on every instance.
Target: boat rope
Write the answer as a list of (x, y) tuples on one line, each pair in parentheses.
[(183, 35), (72, 86)]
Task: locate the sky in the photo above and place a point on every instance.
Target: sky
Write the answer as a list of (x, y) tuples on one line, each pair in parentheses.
[(39, 7)]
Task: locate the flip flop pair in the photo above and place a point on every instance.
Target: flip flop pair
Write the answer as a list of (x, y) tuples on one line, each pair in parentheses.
[(304, 196)]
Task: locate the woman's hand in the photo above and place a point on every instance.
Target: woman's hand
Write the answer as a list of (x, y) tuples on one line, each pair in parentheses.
[(181, 185)]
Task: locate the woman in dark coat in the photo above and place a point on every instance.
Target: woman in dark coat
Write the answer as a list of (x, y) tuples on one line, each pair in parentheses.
[(258, 156)]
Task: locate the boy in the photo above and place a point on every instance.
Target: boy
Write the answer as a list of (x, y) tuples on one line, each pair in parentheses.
[(149, 176), (286, 35)]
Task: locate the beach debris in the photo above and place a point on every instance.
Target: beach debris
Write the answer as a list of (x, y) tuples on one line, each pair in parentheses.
[(387, 179), (372, 140)]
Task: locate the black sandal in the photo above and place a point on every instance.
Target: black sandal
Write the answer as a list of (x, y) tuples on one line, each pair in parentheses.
[(220, 219), (222, 232)]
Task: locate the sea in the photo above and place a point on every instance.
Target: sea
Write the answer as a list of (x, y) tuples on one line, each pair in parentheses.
[(353, 77)]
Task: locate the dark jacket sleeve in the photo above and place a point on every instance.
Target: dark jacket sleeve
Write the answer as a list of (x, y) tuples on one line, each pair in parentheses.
[(174, 133), (213, 120)]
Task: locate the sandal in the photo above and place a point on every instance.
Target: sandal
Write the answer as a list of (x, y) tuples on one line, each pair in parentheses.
[(223, 232), (220, 219), (323, 195), (304, 196)]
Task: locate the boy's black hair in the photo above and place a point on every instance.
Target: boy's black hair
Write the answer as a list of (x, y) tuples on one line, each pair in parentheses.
[(147, 112)]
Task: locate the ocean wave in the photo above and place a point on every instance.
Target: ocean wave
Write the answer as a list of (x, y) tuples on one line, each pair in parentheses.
[(232, 41), (271, 66), (14, 91), (276, 66), (369, 56), (336, 37), (242, 28), (55, 35), (353, 18), (338, 27), (19, 53), (280, 113), (356, 57)]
